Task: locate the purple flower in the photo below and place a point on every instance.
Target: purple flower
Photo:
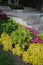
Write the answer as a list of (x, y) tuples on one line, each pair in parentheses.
[(4, 17)]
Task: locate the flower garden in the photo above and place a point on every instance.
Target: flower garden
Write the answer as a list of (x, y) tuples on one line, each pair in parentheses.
[(21, 41)]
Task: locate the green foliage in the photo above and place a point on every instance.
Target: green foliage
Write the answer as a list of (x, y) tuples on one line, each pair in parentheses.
[(5, 58), (8, 27), (22, 37)]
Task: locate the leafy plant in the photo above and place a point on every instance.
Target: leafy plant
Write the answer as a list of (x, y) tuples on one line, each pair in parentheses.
[(22, 37), (9, 26)]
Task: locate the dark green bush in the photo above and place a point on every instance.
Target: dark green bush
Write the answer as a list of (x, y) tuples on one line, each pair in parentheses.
[(12, 6), (5, 58)]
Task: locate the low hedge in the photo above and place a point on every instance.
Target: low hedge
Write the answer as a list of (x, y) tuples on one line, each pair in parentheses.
[(12, 6)]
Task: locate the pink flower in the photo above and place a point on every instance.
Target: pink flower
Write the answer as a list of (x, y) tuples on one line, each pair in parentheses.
[(36, 40), (33, 30)]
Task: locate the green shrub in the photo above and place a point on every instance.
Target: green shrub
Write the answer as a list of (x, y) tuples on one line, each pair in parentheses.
[(5, 58), (12, 6)]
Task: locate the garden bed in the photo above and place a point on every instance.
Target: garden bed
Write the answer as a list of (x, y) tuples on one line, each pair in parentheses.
[(23, 43)]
